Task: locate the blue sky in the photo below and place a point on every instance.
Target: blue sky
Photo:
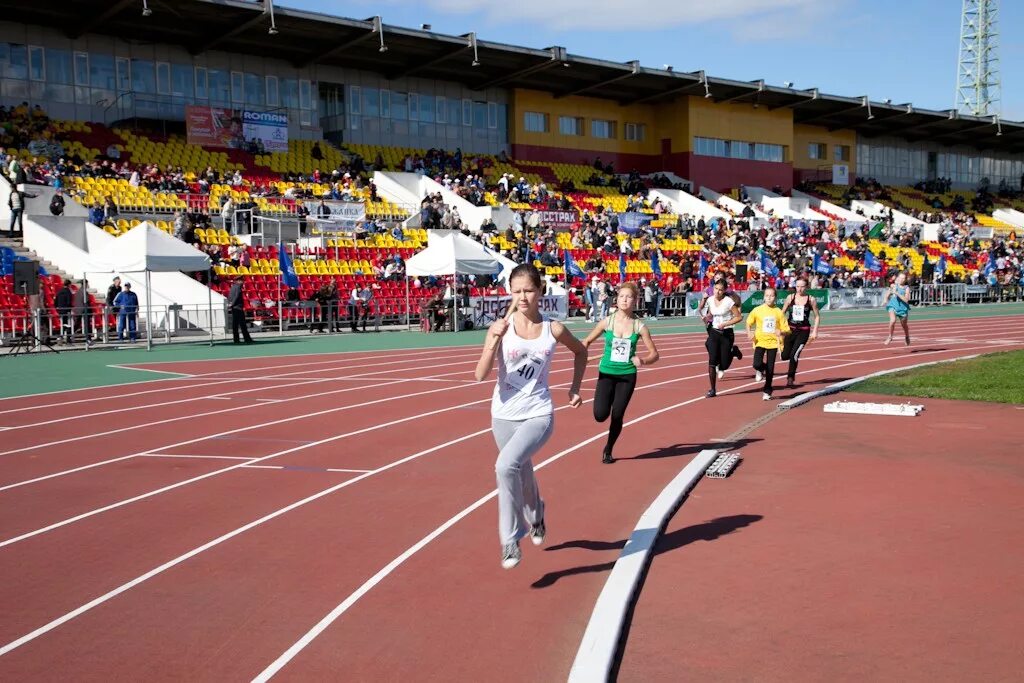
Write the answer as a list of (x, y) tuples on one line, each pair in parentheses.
[(903, 50)]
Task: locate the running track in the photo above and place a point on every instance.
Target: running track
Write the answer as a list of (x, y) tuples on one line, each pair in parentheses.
[(330, 517)]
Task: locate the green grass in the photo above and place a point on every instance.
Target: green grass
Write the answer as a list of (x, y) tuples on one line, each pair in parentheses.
[(996, 378)]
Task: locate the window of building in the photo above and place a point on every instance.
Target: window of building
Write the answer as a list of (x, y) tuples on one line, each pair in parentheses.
[(181, 81), (636, 132), (355, 100), (414, 107), (305, 94), (454, 110), (273, 99), (816, 150), (535, 122), (237, 87), (570, 125), (201, 91), (480, 115), (143, 76), (426, 108), (841, 152), (81, 68), (163, 78), (36, 63), (290, 93), (254, 93), (467, 112), (219, 83), (17, 62), (600, 128), (385, 104), (58, 67), (492, 115), (442, 110), (400, 106)]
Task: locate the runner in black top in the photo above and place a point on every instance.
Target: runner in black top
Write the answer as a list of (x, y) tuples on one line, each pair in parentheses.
[(798, 310)]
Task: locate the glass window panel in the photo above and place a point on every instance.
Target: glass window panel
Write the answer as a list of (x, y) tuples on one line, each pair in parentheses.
[(237, 87), (371, 102), (36, 59), (17, 64), (143, 76), (58, 66), (201, 90), (414, 110), (254, 93), (492, 115), (454, 109), (273, 99), (163, 78), (385, 104), (426, 110), (81, 68), (467, 112), (290, 93), (400, 106), (181, 81), (305, 95), (480, 115), (219, 86)]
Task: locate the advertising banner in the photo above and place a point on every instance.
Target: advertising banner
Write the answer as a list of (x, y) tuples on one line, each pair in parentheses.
[(488, 309), (270, 128), (214, 127), (345, 214), (841, 299), (840, 174), (559, 220)]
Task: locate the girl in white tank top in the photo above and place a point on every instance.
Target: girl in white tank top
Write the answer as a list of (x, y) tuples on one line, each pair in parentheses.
[(523, 344)]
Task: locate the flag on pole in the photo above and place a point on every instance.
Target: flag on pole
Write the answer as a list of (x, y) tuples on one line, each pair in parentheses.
[(871, 262), (572, 269), (822, 267), (288, 276), (940, 267), (702, 270), (622, 267), (876, 232), (768, 266), (655, 264)]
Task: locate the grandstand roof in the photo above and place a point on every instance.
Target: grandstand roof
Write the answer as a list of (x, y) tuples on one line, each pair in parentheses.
[(306, 38)]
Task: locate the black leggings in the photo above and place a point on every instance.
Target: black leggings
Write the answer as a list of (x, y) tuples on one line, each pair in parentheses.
[(611, 398), (719, 346), (764, 362), (794, 345)]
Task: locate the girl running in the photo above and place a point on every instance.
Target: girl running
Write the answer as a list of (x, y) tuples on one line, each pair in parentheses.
[(798, 309), (720, 313), (765, 327), (522, 415), (898, 304), (617, 372)]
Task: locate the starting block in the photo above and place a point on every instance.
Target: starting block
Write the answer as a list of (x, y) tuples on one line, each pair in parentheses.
[(899, 409), (723, 465)]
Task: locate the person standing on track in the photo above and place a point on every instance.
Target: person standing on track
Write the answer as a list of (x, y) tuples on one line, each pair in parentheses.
[(522, 414), (897, 302), (798, 309), (765, 327), (720, 312), (616, 378)]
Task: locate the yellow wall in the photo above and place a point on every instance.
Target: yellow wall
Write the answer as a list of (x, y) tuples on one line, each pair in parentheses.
[(803, 136), (588, 108), (738, 121)]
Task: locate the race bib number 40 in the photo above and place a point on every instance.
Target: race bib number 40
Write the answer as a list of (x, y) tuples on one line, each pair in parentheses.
[(620, 350), (523, 376)]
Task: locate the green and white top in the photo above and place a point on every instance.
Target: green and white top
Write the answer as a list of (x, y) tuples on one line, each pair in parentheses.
[(619, 351)]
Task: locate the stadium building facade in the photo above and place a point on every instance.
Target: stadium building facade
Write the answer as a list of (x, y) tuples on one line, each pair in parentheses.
[(366, 82)]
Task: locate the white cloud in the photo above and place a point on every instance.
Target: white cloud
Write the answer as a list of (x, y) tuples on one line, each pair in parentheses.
[(613, 15)]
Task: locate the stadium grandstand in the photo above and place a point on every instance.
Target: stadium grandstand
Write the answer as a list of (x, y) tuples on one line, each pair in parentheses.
[(350, 144)]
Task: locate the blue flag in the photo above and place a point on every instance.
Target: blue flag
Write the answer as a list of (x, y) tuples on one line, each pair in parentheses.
[(288, 276), (871, 262), (768, 266), (940, 267), (822, 267), (990, 265), (702, 270), (622, 267), (655, 264), (572, 269)]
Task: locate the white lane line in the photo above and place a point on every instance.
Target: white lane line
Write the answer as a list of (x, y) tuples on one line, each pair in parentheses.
[(202, 457), (368, 585), (304, 469), (161, 372)]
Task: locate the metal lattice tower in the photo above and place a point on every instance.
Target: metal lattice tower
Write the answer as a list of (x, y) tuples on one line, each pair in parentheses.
[(977, 80)]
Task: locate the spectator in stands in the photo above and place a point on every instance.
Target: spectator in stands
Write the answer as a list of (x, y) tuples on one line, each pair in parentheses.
[(227, 213), (112, 291), (302, 213), (57, 203), (16, 202), (83, 311), (353, 307), (110, 209), (366, 303), (127, 305)]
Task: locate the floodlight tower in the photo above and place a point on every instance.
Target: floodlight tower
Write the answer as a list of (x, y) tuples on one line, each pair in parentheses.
[(977, 80)]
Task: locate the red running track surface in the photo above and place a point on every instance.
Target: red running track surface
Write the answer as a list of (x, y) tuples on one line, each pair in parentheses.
[(120, 562)]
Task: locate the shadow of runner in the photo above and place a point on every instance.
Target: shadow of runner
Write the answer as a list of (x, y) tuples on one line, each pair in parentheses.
[(705, 531), (689, 449)]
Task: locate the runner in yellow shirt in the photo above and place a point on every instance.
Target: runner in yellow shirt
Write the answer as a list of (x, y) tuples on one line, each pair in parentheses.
[(765, 327)]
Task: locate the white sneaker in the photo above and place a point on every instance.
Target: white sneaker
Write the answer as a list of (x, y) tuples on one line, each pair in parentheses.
[(510, 555), (538, 532), (758, 376), (766, 397), (720, 373)]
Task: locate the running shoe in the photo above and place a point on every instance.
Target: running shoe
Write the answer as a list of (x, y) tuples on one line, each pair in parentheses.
[(888, 340), (720, 373), (510, 555), (766, 397), (736, 353), (907, 341), (711, 394), (537, 533), (758, 376), (791, 384), (607, 459)]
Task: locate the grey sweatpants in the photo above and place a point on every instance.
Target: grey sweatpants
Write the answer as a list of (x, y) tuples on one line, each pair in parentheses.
[(519, 502)]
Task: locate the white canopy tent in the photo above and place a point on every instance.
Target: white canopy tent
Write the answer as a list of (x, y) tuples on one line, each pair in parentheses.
[(147, 249), (449, 252)]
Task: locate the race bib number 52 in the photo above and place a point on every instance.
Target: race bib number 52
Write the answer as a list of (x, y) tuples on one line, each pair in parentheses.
[(620, 350)]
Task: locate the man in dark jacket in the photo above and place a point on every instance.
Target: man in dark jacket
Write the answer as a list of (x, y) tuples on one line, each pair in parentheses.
[(127, 303), (83, 312), (236, 302), (112, 291), (63, 302), (57, 204)]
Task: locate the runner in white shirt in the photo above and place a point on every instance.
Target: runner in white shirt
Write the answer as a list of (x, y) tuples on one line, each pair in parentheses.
[(522, 414)]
